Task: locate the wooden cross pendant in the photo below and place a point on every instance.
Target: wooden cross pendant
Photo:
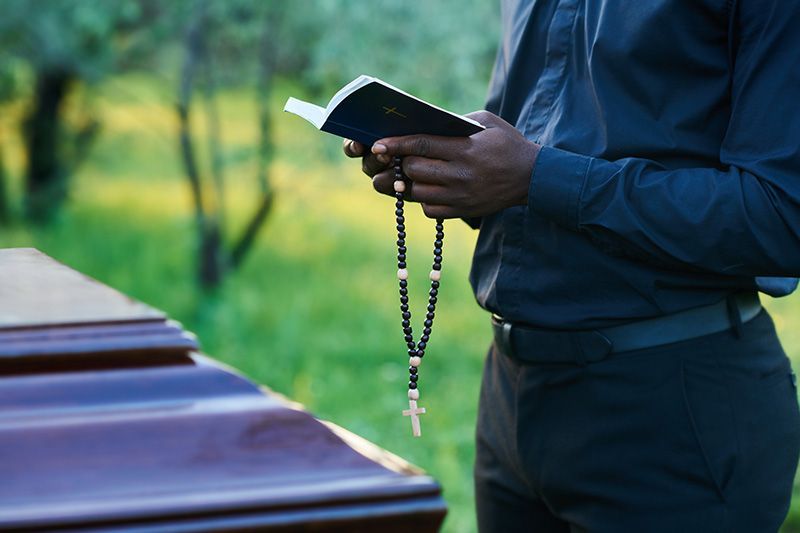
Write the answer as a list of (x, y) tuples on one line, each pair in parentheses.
[(413, 411)]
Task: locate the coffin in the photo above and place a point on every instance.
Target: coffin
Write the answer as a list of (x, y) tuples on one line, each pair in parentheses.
[(110, 419)]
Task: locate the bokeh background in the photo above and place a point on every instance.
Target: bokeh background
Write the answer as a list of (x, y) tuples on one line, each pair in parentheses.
[(142, 142)]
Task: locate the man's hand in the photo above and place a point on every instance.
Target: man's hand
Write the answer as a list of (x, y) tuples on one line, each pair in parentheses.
[(457, 176)]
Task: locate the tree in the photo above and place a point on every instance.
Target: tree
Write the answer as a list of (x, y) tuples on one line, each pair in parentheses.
[(62, 43)]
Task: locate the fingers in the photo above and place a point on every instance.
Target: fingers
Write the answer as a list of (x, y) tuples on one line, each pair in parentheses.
[(353, 148), (429, 146), (431, 171)]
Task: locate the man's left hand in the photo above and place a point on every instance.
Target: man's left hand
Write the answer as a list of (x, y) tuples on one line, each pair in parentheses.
[(464, 177)]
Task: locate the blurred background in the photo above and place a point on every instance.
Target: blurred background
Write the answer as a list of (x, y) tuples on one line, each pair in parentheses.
[(143, 143)]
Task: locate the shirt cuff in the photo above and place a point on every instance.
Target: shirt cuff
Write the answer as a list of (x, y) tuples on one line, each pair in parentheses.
[(556, 184)]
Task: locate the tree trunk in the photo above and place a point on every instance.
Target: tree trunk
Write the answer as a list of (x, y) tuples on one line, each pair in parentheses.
[(46, 184)]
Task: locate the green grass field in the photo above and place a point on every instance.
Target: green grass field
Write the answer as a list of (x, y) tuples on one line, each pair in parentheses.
[(313, 312)]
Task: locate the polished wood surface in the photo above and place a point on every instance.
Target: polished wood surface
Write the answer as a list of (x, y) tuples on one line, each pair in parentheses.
[(165, 439)]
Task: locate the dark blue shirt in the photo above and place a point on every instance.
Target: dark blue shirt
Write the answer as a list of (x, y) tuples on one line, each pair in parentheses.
[(670, 170)]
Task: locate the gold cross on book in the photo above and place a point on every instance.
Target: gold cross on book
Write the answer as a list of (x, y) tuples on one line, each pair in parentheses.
[(413, 412), (392, 110)]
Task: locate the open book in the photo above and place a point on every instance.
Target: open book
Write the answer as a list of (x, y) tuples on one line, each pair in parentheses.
[(368, 109)]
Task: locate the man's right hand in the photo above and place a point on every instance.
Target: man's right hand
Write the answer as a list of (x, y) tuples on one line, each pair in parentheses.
[(371, 164)]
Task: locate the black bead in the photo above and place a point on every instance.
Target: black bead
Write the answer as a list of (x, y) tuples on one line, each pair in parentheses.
[(400, 220), (408, 338), (399, 204), (437, 259), (433, 300), (437, 251), (412, 370), (403, 291), (401, 264), (401, 242), (426, 331), (425, 338), (403, 283), (431, 308), (412, 385), (420, 353), (404, 307), (437, 266), (401, 249), (406, 324), (437, 243), (406, 315), (412, 353), (430, 316), (404, 299), (398, 212), (413, 378), (401, 229), (399, 196), (411, 345), (439, 236), (434, 292), (407, 330), (435, 284), (401, 257), (428, 323), (422, 345), (401, 235)]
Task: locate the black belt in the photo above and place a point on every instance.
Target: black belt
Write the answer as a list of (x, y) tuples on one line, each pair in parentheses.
[(533, 345)]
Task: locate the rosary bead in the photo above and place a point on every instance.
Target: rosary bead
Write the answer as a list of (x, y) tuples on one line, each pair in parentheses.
[(401, 242), (406, 324), (408, 337), (402, 274), (412, 353), (436, 267), (433, 300), (398, 212), (401, 221), (404, 299), (399, 204), (436, 275), (434, 293), (401, 249), (430, 315), (404, 307), (428, 323), (415, 360), (413, 378), (426, 331), (403, 291), (437, 260), (412, 370), (400, 186), (407, 330), (403, 283), (399, 196), (431, 308), (401, 235), (401, 228), (437, 243), (413, 394), (437, 251), (401, 264), (406, 316), (410, 344), (422, 345), (425, 338), (434, 285), (401, 257), (420, 353), (412, 385)]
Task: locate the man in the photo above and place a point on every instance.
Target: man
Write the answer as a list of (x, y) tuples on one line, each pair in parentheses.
[(649, 187)]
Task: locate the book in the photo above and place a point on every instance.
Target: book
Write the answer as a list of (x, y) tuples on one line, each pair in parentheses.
[(368, 109)]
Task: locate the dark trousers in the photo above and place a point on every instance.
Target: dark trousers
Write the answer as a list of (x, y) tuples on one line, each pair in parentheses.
[(697, 436)]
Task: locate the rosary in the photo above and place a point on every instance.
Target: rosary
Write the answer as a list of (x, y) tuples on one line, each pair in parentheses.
[(416, 351)]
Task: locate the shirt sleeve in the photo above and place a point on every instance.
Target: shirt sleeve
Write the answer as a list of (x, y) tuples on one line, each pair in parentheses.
[(741, 218)]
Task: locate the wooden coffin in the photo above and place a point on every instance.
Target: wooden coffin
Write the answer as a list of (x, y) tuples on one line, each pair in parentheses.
[(111, 420)]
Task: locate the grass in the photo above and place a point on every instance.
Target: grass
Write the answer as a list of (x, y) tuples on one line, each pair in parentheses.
[(313, 312)]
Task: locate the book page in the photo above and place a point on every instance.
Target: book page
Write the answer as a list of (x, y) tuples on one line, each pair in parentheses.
[(312, 113)]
